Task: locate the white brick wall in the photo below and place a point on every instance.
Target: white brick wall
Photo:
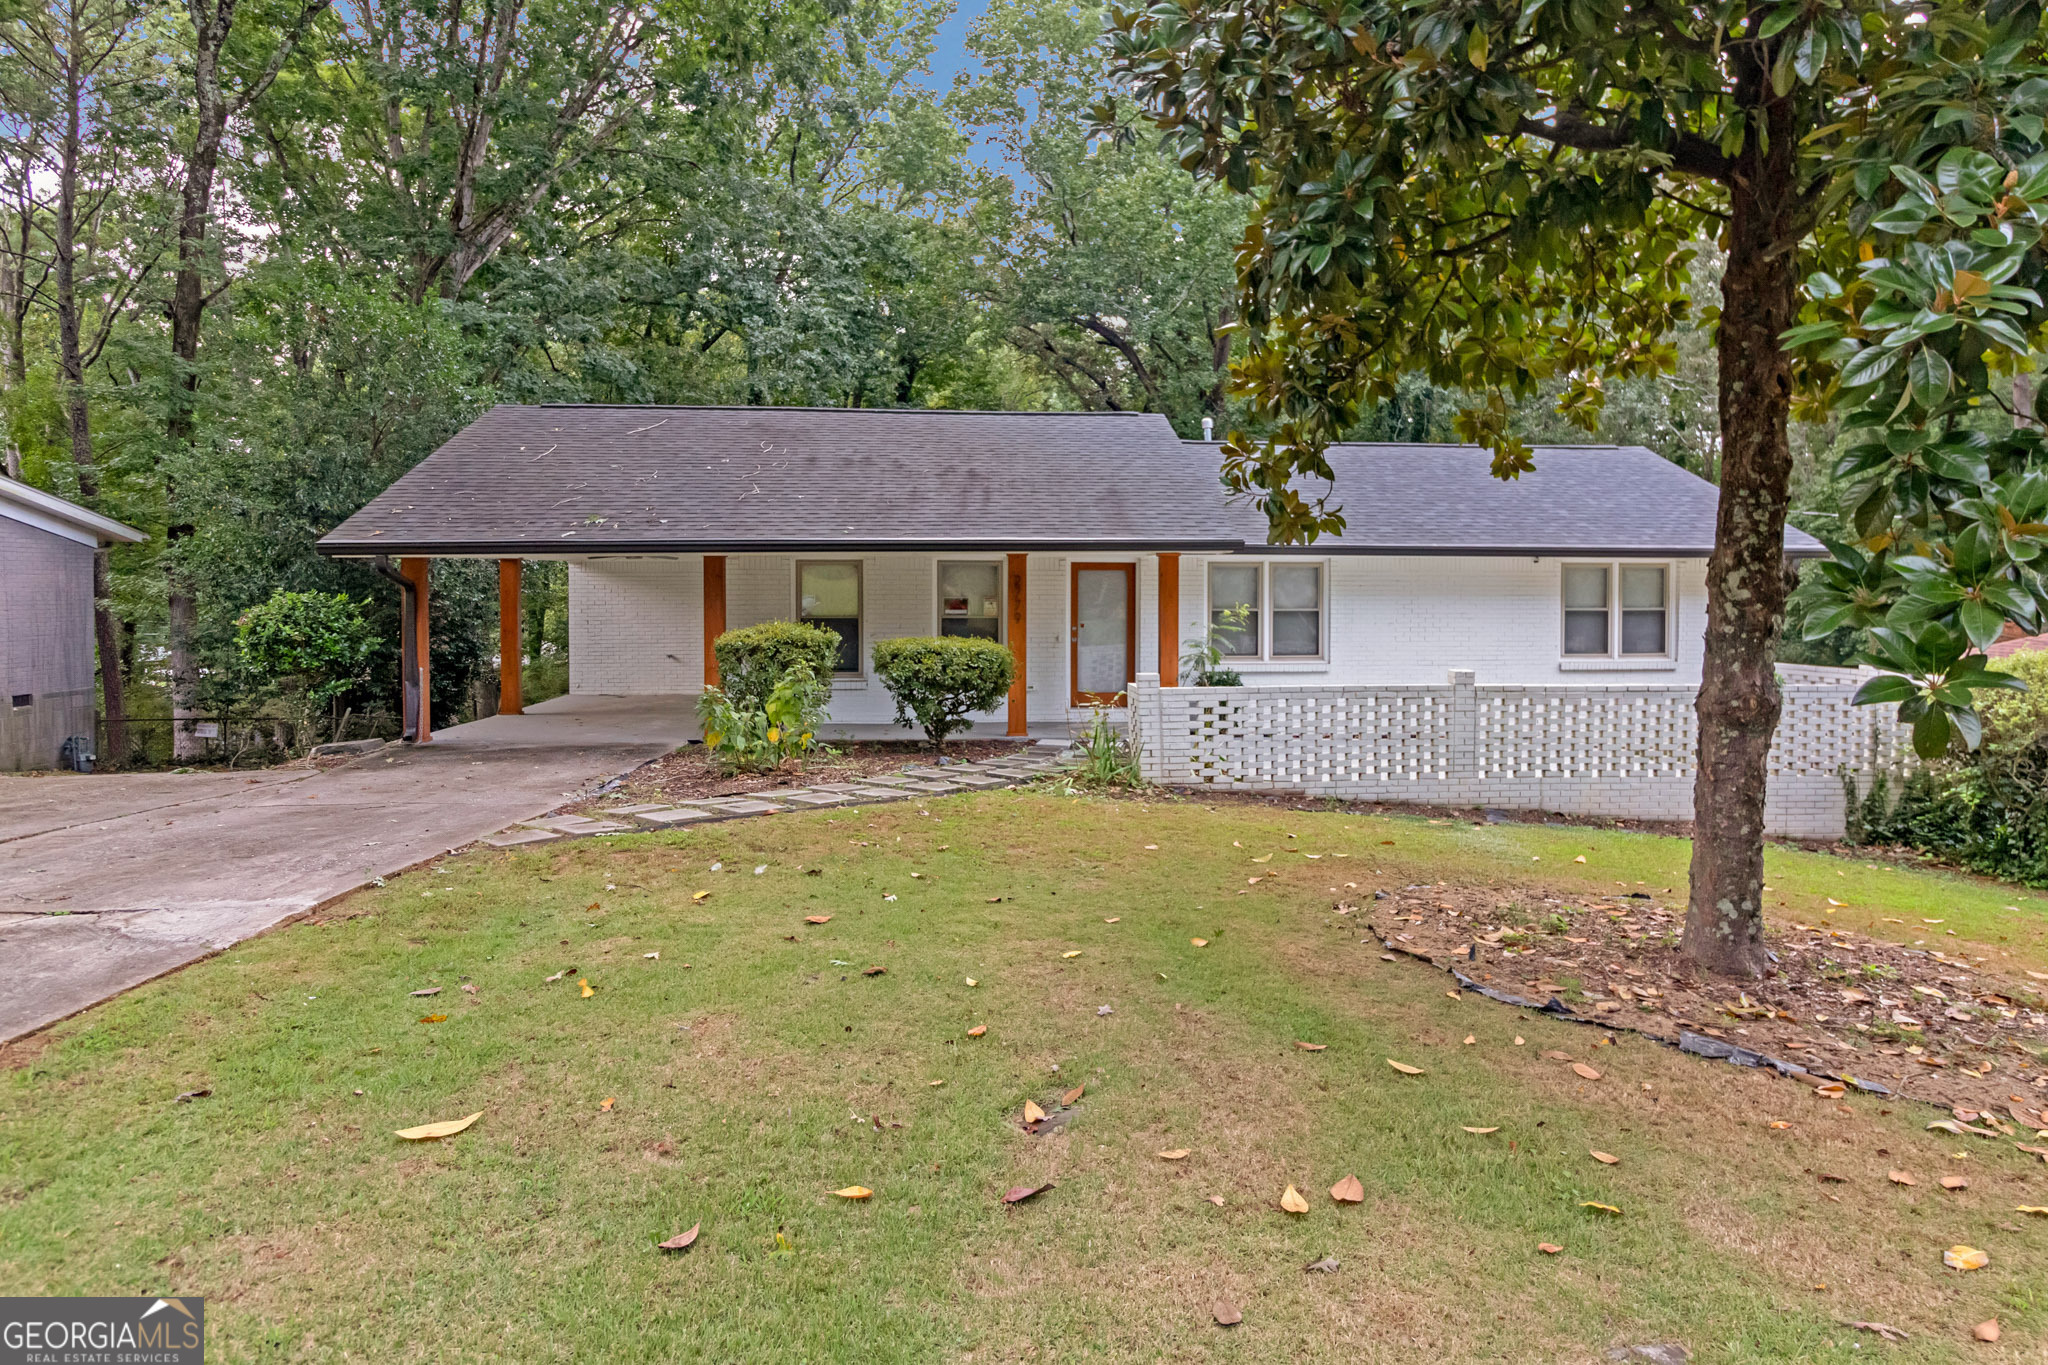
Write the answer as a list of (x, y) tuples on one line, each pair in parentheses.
[(636, 625)]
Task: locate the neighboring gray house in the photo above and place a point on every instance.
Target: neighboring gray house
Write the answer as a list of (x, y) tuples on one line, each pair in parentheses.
[(46, 646)]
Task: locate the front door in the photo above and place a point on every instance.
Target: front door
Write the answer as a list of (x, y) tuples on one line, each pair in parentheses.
[(1105, 632)]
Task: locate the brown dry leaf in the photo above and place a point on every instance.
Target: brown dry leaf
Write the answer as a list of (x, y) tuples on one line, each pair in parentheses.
[(1217, 1200), (1518, 1040), (427, 1132), (1292, 1202), (1310, 1047), (854, 1192), (1404, 1068), (1470, 1040), (1174, 1154), (1263, 858), (1779, 1123), (1549, 1248), (1585, 1071), (977, 1030), (1986, 1330), (817, 919), (551, 980), (431, 990), (1114, 919), (1226, 1313), (608, 1105), (433, 1018), (1954, 1182), (1901, 1178), (1602, 1208), (1032, 1113), (1017, 1194), (1075, 953), (1481, 1131), (681, 1240), (1072, 1095), (1885, 1330), (588, 989), (1199, 942), (1965, 1258), (1349, 1190), (1606, 1159), (1553, 1055), (875, 971)]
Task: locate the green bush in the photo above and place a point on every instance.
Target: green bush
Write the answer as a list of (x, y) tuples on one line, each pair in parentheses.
[(313, 646), (1109, 757), (740, 737), (941, 680), (753, 659)]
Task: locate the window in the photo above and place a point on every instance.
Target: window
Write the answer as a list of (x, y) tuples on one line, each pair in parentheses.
[(971, 600), (1268, 611), (828, 595), (1592, 595)]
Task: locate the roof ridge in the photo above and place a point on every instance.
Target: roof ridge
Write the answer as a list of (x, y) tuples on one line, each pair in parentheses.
[(879, 412)]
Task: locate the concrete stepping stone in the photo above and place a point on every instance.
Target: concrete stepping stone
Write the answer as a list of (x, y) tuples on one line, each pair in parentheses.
[(637, 808), (513, 838), (977, 781), (665, 816), (879, 793), (933, 788), (743, 806), (578, 824), (816, 798)]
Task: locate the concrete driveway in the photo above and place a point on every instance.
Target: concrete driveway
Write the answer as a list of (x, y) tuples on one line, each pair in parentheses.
[(107, 881)]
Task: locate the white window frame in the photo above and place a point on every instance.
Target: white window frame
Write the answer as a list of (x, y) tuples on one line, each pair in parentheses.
[(1613, 568), (1265, 571), (1002, 568), (860, 586)]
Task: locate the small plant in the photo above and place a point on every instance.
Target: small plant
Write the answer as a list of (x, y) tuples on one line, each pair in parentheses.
[(1203, 662), (1880, 971), (939, 681), (1109, 757), (753, 659), (1555, 923), (743, 738)]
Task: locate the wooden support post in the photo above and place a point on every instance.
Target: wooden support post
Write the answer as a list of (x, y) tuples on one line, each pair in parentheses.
[(1020, 685), (418, 571), (511, 650), (714, 614), (1169, 619)]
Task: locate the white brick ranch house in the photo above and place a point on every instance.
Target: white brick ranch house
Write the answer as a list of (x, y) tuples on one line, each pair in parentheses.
[(1534, 644)]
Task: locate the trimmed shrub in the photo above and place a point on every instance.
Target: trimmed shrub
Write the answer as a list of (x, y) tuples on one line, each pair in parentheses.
[(941, 680), (746, 738), (753, 659)]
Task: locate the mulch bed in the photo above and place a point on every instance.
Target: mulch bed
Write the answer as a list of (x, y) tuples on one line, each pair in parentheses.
[(684, 774), (1925, 1022)]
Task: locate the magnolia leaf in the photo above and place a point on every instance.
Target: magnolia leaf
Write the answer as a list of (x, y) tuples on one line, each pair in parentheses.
[(1017, 1194), (1954, 1182), (681, 1240), (1606, 1159), (854, 1192), (1481, 1131), (1175, 1154), (1032, 1113), (1549, 1248), (1585, 1071), (1072, 1095), (428, 1132), (1986, 1330), (1404, 1068), (431, 990), (1349, 1190), (1199, 942), (817, 919), (1310, 1047), (977, 1030), (1901, 1178), (1075, 953), (1226, 1313), (1965, 1258), (1292, 1201)]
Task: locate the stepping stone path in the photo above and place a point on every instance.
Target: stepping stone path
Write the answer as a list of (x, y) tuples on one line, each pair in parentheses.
[(914, 780)]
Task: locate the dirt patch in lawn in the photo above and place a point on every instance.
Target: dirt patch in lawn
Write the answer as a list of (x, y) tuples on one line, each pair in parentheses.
[(685, 775), (1928, 1023)]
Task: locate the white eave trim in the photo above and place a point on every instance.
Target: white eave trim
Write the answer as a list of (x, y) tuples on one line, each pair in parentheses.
[(47, 512)]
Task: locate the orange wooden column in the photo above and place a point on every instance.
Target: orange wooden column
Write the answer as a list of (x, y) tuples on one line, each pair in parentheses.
[(714, 614), (1020, 685), (1169, 619), (510, 645), (418, 571)]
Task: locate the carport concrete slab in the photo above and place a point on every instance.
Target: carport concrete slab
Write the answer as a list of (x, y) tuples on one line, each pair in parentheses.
[(109, 880)]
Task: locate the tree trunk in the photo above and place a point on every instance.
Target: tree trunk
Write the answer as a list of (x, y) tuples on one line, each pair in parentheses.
[(1738, 701)]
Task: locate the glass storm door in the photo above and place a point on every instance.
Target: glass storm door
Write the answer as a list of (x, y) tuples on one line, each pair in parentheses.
[(1104, 627)]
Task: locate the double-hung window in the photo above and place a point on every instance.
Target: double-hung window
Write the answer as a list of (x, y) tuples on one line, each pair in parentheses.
[(828, 594), (1271, 611), (971, 599), (1617, 611)]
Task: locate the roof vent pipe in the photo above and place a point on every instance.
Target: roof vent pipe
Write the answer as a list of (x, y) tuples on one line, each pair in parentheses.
[(1208, 428)]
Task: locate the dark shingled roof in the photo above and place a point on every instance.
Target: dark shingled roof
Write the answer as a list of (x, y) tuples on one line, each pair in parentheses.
[(559, 479), (553, 480), (1443, 499)]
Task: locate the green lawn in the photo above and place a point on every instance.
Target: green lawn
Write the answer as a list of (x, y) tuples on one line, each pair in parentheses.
[(753, 1074)]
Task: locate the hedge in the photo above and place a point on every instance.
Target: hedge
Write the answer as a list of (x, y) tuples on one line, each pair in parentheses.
[(752, 659), (938, 681)]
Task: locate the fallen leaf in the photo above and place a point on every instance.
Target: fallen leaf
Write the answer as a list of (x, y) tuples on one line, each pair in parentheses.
[(1032, 1113), (817, 919), (1470, 1040), (1586, 1071), (935, 1084), (1072, 1095), (1292, 1202), (550, 980), (188, 1096), (681, 1239), (431, 990), (1965, 1258), (1779, 1123), (700, 896), (1114, 919), (874, 971), (977, 1030), (651, 957), (608, 1105), (1580, 859), (1075, 953), (1199, 942), (446, 1128), (433, 1018), (1481, 1131), (1263, 858), (1901, 1178), (854, 1192), (2040, 1210), (1226, 1312), (1176, 1154), (1954, 1182), (1606, 1159), (972, 982), (588, 990), (1311, 1047), (1404, 1068), (1553, 1055), (1349, 1190), (1017, 1194), (1829, 1178), (1518, 1040), (1603, 1208), (1884, 1330), (1329, 1265), (1986, 1330), (1217, 1200), (1549, 1248)]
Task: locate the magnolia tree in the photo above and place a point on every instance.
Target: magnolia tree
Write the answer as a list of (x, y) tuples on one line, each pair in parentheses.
[(1500, 193)]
